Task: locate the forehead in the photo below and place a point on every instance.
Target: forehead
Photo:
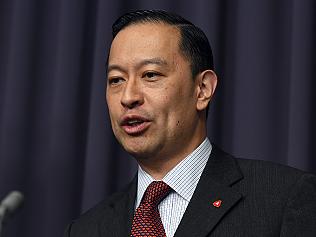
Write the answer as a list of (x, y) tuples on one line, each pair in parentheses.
[(145, 40)]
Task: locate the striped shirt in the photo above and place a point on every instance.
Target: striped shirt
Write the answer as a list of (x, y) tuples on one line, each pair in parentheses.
[(183, 179)]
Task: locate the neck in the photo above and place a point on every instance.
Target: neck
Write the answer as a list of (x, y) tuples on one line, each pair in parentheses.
[(160, 165)]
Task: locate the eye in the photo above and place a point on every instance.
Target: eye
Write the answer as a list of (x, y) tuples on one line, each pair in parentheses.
[(151, 75), (115, 80)]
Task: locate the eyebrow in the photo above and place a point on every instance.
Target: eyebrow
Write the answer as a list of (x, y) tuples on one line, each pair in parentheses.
[(155, 61)]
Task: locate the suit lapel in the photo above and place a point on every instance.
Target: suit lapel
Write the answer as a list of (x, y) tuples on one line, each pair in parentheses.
[(216, 183), (122, 215)]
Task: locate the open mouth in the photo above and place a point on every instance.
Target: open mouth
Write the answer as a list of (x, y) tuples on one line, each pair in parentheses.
[(134, 122), (134, 125)]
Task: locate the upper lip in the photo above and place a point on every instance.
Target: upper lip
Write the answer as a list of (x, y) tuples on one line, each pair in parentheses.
[(127, 118)]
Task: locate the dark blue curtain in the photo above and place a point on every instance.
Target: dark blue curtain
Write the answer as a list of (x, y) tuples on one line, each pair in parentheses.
[(56, 143)]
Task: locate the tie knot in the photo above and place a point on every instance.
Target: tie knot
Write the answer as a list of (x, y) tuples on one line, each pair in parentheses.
[(156, 192)]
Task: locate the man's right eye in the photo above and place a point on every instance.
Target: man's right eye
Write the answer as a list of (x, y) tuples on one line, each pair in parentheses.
[(115, 80)]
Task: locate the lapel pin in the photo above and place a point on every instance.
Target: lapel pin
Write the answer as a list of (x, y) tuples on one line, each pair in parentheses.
[(217, 203)]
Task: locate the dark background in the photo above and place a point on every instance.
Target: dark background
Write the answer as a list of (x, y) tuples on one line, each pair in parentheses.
[(56, 143)]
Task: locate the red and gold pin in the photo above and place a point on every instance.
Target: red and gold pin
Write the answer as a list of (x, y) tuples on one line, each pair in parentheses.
[(217, 203)]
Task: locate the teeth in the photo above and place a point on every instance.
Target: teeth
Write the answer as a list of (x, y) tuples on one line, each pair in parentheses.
[(131, 122)]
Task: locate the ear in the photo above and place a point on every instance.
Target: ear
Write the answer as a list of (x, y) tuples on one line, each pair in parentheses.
[(206, 85)]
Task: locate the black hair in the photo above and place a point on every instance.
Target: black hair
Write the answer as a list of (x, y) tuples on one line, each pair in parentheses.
[(194, 44)]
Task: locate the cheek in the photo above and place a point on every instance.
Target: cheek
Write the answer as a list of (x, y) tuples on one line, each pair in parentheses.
[(114, 114), (111, 112), (183, 109), (172, 106), (113, 103)]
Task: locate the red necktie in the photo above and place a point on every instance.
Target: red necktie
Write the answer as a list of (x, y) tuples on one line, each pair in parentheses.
[(147, 220)]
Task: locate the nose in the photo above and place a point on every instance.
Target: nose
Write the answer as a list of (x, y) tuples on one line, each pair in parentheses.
[(132, 95)]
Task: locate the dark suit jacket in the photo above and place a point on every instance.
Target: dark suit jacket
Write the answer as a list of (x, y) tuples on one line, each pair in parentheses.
[(258, 199)]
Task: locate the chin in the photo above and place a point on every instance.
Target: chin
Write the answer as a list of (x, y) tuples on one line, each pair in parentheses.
[(138, 154), (139, 150), (140, 146)]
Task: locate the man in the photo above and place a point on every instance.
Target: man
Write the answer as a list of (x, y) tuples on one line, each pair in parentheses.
[(160, 82)]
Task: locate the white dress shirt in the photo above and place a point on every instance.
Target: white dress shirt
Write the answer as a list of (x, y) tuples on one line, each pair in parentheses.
[(183, 179)]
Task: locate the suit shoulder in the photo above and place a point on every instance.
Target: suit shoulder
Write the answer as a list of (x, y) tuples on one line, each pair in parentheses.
[(101, 209), (269, 172), (262, 164), (105, 207), (87, 223)]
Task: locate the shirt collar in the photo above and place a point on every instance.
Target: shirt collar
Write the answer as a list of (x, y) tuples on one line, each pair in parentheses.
[(184, 177)]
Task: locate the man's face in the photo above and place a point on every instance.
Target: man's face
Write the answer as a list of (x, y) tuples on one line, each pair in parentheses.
[(151, 94)]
